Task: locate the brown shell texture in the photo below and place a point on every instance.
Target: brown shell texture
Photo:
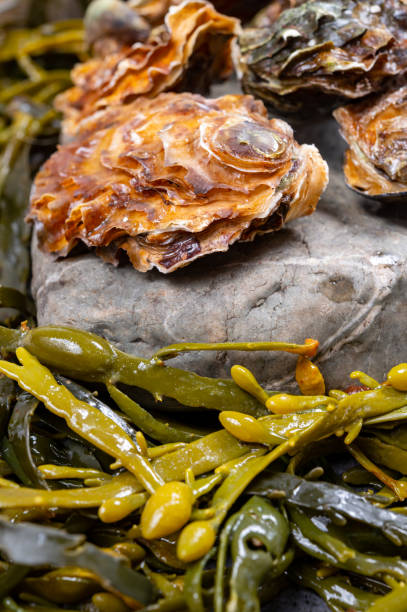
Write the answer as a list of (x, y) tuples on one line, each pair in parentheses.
[(191, 50), (376, 131), (171, 179)]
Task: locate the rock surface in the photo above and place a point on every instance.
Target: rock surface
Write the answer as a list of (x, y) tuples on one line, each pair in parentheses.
[(339, 276)]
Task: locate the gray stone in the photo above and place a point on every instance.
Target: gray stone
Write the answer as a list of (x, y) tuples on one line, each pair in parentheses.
[(339, 276), (294, 599)]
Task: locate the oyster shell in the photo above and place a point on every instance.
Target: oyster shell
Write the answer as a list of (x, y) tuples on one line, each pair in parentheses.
[(175, 178), (324, 51), (192, 49), (376, 131)]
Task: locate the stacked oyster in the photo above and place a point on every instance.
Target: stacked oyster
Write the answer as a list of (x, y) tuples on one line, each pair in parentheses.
[(169, 177), (317, 54), (191, 50)]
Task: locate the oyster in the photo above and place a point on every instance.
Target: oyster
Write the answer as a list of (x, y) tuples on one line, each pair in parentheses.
[(324, 51), (191, 50), (174, 178), (376, 131)]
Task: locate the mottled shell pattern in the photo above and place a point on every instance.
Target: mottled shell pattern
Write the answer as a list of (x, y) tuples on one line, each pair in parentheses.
[(191, 50), (174, 178)]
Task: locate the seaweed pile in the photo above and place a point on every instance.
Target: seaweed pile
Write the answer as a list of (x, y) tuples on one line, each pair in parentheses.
[(34, 67), (109, 503), (128, 484)]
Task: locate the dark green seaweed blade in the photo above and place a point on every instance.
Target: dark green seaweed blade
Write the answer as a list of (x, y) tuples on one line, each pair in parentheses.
[(37, 546), (326, 498), (19, 438)]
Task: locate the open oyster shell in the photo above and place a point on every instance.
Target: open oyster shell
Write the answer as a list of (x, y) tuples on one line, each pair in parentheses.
[(175, 178), (324, 51), (376, 131), (191, 50)]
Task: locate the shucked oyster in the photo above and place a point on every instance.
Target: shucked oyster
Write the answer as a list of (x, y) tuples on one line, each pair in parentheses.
[(175, 178), (325, 50), (376, 131), (190, 51)]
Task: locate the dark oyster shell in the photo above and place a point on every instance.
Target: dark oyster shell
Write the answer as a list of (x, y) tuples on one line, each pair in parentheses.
[(325, 51), (174, 178), (376, 131)]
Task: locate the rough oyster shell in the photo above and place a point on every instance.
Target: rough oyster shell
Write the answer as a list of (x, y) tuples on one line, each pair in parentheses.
[(190, 51), (376, 131), (175, 178), (323, 51)]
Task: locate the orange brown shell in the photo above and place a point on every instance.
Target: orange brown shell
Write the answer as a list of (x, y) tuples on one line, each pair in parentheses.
[(192, 49), (174, 178), (376, 131)]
